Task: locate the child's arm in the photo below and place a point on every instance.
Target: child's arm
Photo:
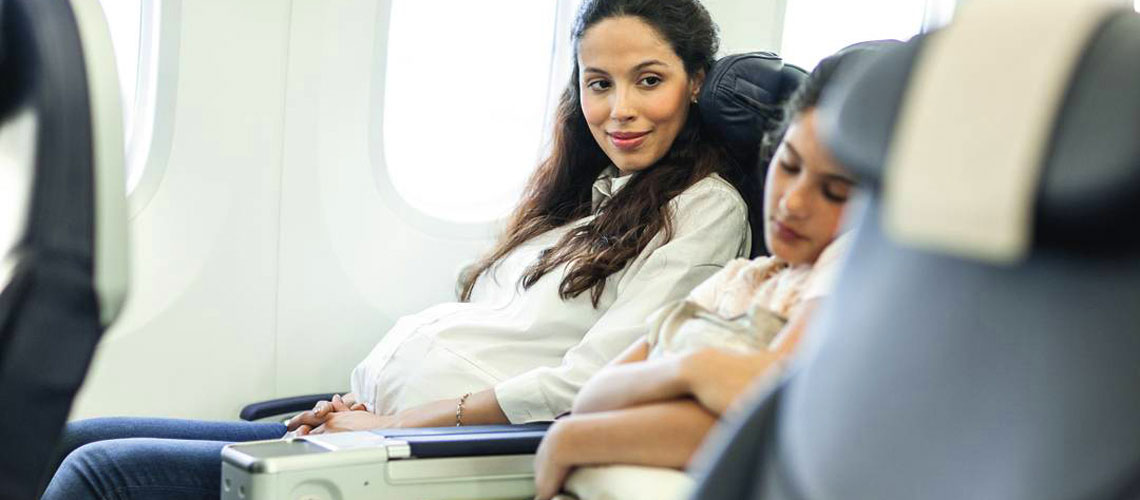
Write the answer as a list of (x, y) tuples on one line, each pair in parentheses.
[(716, 378), (658, 435), (629, 381)]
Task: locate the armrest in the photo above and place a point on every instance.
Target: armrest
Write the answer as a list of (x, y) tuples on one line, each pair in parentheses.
[(476, 440), (430, 463), (282, 406)]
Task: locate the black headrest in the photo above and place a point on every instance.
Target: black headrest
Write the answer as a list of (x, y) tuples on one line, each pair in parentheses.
[(743, 96), (1090, 184)]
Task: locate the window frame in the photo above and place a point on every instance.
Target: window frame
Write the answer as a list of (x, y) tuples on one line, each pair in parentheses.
[(147, 143)]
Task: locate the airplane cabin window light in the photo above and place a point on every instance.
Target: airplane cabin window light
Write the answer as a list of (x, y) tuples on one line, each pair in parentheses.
[(124, 18), (814, 29), (465, 103), (132, 27)]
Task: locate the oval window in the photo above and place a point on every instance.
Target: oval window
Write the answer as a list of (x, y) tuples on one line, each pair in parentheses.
[(465, 102)]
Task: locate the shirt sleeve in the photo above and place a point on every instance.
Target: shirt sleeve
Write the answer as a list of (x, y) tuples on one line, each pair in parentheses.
[(710, 229), (826, 269)]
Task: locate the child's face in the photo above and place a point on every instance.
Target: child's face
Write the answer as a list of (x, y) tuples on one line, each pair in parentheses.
[(634, 90), (804, 195)]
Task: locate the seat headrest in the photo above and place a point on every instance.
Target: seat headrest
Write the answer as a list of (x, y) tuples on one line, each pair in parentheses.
[(743, 96), (1090, 171)]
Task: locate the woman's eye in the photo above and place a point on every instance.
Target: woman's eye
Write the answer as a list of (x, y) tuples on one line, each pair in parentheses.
[(651, 81), (598, 85)]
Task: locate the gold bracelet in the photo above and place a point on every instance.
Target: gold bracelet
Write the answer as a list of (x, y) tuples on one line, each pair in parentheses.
[(459, 409)]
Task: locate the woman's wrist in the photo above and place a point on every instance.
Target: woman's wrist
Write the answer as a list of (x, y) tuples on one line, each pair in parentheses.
[(479, 408)]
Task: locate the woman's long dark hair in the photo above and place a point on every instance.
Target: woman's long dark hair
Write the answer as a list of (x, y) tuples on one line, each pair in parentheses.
[(559, 192)]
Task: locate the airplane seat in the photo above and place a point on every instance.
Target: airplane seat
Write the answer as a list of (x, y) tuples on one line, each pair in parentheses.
[(741, 99), (981, 339), (62, 232)]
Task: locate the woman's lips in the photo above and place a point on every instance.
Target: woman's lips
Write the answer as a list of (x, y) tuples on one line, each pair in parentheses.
[(626, 141), (786, 233)]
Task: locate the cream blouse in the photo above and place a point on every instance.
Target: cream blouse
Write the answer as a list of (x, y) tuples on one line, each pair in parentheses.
[(534, 348), (745, 305)]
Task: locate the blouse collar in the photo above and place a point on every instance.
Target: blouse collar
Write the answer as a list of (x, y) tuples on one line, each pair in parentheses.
[(609, 182)]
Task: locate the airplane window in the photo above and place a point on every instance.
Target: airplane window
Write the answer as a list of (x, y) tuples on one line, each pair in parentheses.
[(813, 29), (131, 23), (465, 103), (124, 18)]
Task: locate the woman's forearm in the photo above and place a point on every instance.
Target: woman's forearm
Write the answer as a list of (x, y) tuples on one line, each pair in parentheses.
[(632, 384), (481, 408), (665, 434)]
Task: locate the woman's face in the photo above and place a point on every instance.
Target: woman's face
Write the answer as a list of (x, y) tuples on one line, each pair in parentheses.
[(634, 90), (804, 195)]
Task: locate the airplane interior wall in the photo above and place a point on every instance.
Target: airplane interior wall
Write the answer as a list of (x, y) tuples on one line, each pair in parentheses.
[(270, 251)]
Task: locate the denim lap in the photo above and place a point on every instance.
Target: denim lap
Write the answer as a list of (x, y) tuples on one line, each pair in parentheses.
[(141, 458)]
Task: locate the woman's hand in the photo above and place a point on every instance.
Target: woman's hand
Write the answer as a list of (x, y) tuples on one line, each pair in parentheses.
[(303, 423), (358, 420), (716, 377), (551, 464)]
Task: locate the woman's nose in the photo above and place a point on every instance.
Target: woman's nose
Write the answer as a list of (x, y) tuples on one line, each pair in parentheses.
[(623, 109)]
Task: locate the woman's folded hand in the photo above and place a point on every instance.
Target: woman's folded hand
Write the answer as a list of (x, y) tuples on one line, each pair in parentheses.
[(305, 422), (357, 420)]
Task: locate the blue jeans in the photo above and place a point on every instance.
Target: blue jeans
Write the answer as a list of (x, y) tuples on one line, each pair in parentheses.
[(148, 457)]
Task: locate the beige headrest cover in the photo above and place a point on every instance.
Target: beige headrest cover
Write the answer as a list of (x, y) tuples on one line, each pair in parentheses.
[(973, 130)]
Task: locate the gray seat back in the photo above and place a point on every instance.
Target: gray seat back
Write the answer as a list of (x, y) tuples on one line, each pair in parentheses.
[(936, 376)]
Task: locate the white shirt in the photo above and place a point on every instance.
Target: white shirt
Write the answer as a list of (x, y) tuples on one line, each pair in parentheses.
[(535, 348)]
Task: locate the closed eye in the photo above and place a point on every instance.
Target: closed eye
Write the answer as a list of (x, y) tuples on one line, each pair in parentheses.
[(836, 191)]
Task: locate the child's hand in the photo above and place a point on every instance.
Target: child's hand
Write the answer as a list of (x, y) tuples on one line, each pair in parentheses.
[(717, 377), (552, 461)]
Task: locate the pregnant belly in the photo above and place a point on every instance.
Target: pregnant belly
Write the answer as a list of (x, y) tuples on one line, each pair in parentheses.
[(424, 370)]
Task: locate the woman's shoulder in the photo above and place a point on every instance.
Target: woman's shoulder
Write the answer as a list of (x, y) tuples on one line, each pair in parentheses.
[(712, 191)]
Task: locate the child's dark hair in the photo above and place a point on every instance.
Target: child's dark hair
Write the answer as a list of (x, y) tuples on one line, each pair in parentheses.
[(810, 92)]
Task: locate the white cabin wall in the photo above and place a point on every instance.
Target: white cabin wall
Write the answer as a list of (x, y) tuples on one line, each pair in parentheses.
[(748, 25), (352, 262), (197, 335)]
